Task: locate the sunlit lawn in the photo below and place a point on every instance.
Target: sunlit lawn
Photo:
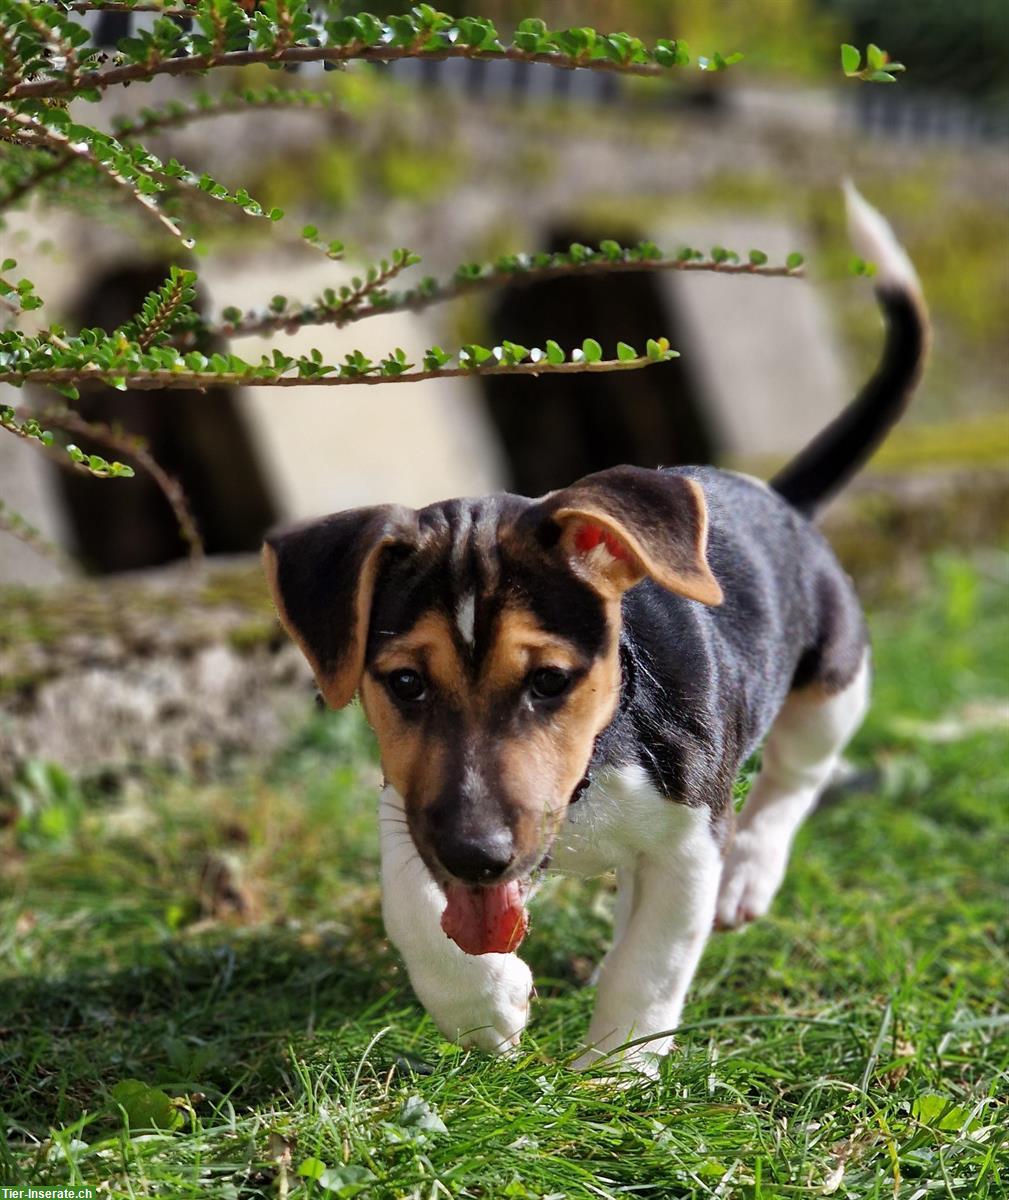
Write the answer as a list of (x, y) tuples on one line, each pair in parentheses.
[(854, 1043)]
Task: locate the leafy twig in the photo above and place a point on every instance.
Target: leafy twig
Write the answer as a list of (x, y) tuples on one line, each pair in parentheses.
[(878, 67), (512, 269), (231, 37), (137, 449), (13, 523), (27, 426), (337, 308), (197, 63), (163, 307), (206, 107), (58, 141), (175, 114), (190, 371), (57, 163)]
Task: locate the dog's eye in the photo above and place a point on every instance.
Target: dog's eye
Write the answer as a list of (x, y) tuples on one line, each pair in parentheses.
[(406, 684), (548, 683)]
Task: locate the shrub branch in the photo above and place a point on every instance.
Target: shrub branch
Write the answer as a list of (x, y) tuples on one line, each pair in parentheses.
[(520, 271), (155, 379), (192, 64), (137, 449), (55, 140)]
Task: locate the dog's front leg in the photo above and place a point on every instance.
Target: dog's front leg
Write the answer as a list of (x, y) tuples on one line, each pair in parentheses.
[(476, 1000), (644, 978)]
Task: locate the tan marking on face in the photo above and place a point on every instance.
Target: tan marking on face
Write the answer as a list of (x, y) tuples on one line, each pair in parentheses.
[(412, 762), (545, 765), (429, 648), (522, 645), (532, 760)]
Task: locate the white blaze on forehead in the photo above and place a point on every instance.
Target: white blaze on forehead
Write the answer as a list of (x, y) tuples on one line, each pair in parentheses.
[(465, 617)]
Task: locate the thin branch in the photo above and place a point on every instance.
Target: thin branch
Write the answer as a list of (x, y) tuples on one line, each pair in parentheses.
[(337, 314), (62, 145), (136, 448), (13, 523), (64, 48), (194, 63), (47, 447), (419, 299), (58, 163), (166, 10), (176, 115), (153, 380)]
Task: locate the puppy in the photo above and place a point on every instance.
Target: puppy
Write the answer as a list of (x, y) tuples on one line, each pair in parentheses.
[(576, 681)]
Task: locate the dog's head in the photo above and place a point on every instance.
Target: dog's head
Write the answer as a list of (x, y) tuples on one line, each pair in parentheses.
[(483, 636)]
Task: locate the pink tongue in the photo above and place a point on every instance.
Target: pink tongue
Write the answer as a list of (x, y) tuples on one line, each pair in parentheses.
[(485, 920)]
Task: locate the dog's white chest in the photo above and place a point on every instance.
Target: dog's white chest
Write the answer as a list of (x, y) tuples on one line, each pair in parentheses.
[(620, 816)]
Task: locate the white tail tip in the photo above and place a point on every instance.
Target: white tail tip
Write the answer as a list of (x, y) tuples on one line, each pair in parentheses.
[(875, 241)]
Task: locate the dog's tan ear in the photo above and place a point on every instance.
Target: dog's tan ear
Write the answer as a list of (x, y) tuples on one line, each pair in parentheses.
[(620, 526), (322, 578)]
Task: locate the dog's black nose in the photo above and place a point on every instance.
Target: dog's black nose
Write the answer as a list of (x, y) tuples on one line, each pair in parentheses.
[(477, 858)]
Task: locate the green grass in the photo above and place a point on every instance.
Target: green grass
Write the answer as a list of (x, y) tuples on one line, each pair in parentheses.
[(853, 1043)]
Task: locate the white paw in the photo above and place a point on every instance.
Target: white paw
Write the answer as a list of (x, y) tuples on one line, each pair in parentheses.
[(751, 877), (608, 1035), (489, 1010), (626, 1065)]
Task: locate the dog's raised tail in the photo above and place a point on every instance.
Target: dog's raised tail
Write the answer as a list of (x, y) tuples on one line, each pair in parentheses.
[(840, 450)]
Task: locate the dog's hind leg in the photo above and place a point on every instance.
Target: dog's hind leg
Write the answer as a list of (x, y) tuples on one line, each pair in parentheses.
[(476, 1000), (800, 756)]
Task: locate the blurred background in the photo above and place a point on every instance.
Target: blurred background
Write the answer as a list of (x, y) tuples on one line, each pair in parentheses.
[(461, 162)]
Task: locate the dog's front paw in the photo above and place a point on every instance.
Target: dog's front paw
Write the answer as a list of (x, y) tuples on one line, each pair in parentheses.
[(488, 1012), (751, 877), (622, 1067)]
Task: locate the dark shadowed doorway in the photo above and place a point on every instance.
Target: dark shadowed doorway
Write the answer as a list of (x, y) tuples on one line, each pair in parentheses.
[(198, 437), (559, 427)]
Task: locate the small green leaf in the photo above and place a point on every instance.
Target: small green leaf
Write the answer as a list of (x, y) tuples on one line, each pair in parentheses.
[(851, 59), (416, 1113), (592, 350), (626, 353), (555, 355), (474, 355), (794, 260), (758, 258), (146, 1107), (346, 1181)]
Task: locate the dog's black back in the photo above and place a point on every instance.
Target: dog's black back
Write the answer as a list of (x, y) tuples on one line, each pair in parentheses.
[(704, 683)]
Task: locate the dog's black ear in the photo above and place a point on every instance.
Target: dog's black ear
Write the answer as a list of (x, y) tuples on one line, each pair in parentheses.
[(618, 526), (322, 578)]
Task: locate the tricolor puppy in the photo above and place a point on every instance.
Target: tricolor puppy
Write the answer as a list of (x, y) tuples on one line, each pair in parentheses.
[(576, 680)]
